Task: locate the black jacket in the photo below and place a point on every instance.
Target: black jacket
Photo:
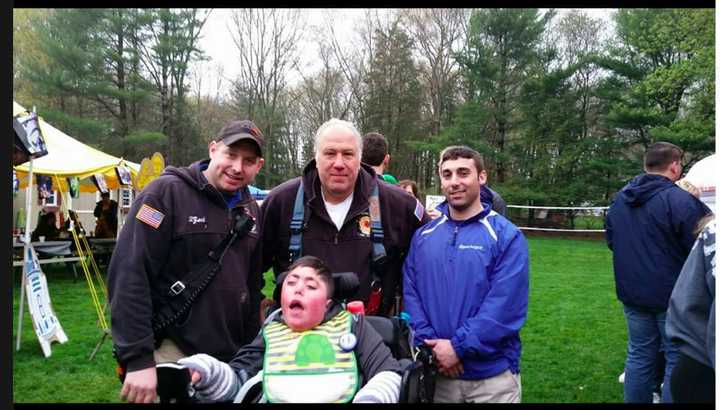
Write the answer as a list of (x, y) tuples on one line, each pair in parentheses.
[(649, 227), (195, 218), (349, 250), (492, 197)]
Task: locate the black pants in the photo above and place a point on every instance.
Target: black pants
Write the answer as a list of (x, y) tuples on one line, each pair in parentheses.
[(692, 381)]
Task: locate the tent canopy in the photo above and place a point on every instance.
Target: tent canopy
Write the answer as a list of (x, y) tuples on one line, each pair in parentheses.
[(68, 157)]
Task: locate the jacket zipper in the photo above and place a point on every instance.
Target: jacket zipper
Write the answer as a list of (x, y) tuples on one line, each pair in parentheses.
[(454, 239)]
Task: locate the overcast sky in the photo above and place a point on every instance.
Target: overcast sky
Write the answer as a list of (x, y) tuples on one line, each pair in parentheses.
[(219, 47)]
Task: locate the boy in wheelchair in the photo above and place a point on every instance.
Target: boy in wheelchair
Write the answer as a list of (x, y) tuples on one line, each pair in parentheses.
[(312, 351)]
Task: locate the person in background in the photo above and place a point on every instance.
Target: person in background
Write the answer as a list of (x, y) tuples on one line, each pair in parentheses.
[(688, 186), (497, 202), (312, 329), (337, 194), (46, 227), (466, 285), (176, 224), (106, 214), (649, 229), (691, 322), (410, 187), (375, 153)]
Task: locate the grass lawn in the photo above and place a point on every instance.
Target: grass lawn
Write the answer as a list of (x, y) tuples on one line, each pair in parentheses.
[(573, 341)]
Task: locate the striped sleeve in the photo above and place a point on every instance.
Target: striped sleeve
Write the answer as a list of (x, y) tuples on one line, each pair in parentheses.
[(383, 388)]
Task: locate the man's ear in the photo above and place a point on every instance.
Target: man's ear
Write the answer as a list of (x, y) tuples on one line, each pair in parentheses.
[(482, 177), (212, 146)]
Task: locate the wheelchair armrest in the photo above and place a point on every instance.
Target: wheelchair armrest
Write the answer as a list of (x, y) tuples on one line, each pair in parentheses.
[(173, 383), (410, 383), (250, 390)]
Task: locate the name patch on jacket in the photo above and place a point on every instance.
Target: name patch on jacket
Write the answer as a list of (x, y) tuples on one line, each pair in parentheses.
[(150, 216)]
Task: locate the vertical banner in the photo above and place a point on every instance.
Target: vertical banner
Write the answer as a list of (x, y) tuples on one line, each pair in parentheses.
[(45, 188), (124, 175), (100, 183), (74, 187), (15, 184), (47, 327)]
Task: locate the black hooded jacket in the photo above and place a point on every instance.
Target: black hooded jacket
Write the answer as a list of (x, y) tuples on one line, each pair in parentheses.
[(194, 219)]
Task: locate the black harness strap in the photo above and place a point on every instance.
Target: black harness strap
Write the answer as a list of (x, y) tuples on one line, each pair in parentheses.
[(179, 295), (379, 256)]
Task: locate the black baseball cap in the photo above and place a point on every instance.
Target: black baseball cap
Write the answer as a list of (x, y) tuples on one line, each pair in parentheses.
[(237, 130)]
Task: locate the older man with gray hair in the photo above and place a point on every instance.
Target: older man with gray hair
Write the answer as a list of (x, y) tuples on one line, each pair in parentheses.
[(339, 212)]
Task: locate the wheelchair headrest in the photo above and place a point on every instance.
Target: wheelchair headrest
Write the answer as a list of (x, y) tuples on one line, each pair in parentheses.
[(346, 284)]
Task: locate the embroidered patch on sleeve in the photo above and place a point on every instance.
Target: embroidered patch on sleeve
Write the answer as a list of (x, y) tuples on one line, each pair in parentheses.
[(419, 210), (150, 216)]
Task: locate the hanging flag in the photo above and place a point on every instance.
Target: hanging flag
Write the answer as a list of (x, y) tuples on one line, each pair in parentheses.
[(74, 186), (123, 174), (28, 135), (100, 183), (16, 183), (45, 187)]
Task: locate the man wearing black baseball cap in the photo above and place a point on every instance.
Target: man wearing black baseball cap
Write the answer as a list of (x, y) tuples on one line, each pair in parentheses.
[(175, 222), (237, 130)]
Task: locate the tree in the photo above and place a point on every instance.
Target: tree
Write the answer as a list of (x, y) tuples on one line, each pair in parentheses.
[(266, 40), (662, 66), (26, 50), (167, 45), (438, 34), (502, 43), (393, 99), (88, 70), (317, 98)]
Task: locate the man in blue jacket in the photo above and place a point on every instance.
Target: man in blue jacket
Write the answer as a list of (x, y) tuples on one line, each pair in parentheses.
[(466, 288), (649, 227)]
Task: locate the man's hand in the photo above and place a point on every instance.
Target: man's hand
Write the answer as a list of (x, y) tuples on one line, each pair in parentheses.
[(448, 362), (452, 372), (140, 386)]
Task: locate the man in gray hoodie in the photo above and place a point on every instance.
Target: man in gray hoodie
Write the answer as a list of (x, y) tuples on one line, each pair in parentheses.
[(691, 323)]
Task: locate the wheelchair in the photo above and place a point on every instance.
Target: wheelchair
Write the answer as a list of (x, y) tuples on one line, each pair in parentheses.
[(417, 380)]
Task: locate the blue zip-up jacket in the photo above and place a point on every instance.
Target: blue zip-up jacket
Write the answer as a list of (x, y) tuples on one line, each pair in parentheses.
[(649, 227), (467, 281)]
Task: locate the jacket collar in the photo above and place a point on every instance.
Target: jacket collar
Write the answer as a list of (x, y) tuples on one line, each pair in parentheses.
[(444, 208), (363, 186)]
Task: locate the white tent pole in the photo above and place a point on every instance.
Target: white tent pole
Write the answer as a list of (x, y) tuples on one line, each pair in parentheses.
[(28, 218), (117, 212)]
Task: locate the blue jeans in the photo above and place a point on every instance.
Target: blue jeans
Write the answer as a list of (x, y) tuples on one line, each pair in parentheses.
[(646, 337)]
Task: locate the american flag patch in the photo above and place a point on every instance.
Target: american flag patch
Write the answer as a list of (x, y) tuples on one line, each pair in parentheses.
[(150, 216), (419, 210)]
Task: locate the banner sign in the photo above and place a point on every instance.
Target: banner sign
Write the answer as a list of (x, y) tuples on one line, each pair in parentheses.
[(124, 175), (432, 201), (47, 327), (28, 136), (100, 183)]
